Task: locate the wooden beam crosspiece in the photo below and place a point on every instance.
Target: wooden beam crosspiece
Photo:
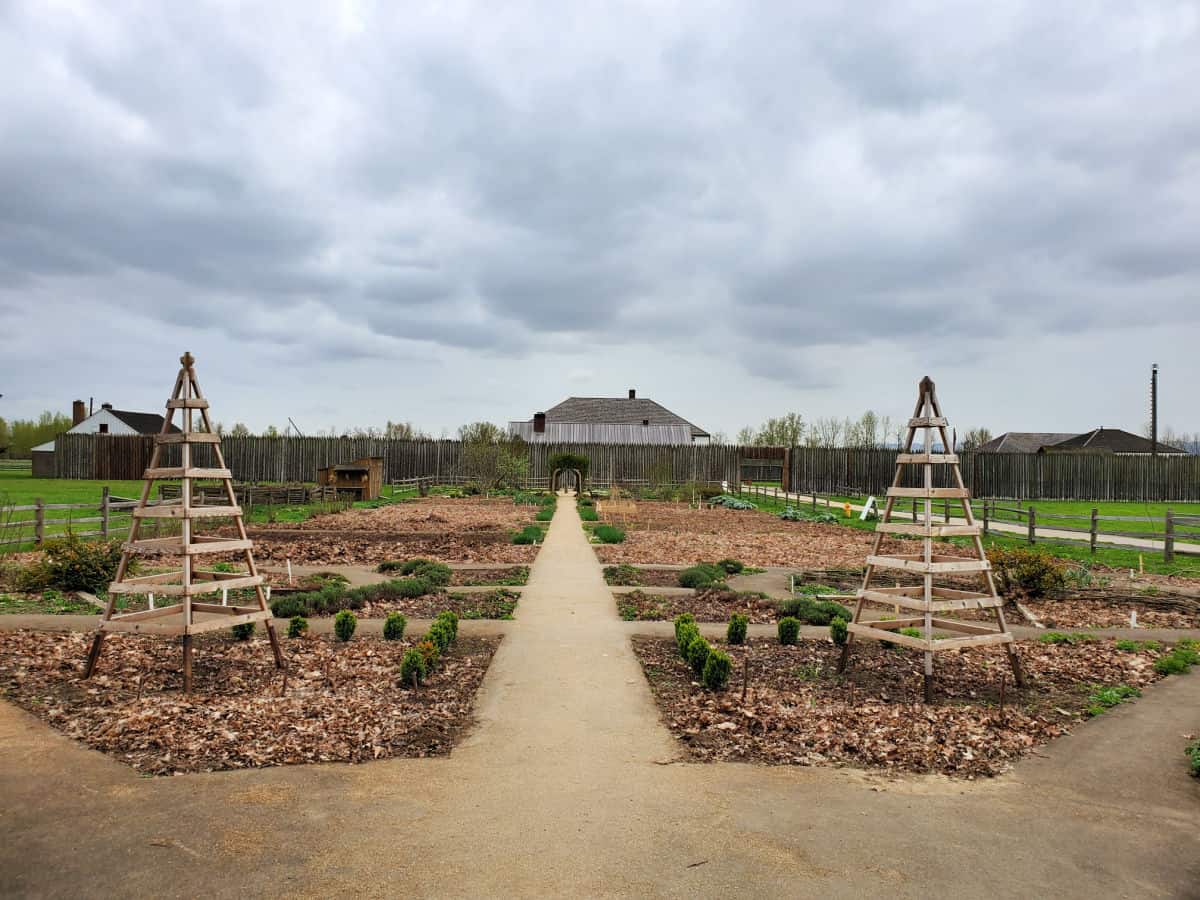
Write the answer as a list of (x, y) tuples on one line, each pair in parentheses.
[(186, 617), (925, 600)]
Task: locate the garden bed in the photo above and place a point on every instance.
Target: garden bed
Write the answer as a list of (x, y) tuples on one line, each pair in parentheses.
[(508, 576), (341, 703), (497, 604), (799, 711), (640, 576), (705, 606)]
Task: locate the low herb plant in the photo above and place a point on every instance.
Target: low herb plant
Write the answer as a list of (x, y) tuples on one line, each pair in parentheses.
[(609, 534), (297, 627), (789, 630), (243, 631), (1074, 637), (1105, 698), (1193, 754)]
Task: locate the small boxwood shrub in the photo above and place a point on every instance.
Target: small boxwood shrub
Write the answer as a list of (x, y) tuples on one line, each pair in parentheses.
[(297, 627), (731, 566), (685, 626), (789, 630), (289, 606), (243, 631), (412, 668), (813, 612), (697, 653), (609, 534), (702, 576), (450, 618), (545, 514), (736, 632), (390, 565), (716, 670), (393, 627), (589, 514), (344, 624), (439, 633), (838, 631)]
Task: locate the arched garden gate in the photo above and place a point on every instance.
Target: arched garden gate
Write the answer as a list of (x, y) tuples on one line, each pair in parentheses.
[(573, 476)]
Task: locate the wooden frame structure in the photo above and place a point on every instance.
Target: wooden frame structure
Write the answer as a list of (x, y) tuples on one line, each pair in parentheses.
[(578, 479), (926, 601), (187, 617)]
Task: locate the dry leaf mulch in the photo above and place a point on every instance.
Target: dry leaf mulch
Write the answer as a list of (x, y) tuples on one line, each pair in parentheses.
[(428, 514), (798, 711), (705, 606), (364, 549), (1081, 612), (671, 533), (342, 703)]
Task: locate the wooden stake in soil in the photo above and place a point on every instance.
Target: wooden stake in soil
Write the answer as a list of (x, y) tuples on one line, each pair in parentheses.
[(926, 600), (187, 617)]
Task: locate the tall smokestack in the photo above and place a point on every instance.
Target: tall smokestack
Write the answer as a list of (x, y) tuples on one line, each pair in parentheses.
[(632, 394), (78, 412), (539, 423)]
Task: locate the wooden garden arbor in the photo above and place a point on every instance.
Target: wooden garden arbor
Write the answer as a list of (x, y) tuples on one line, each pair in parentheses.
[(187, 616), (930, 603)]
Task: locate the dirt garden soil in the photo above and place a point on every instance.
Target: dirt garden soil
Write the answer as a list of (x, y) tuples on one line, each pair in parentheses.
[(674, 534), (497, 604), (448, 530), (798, 711), (341, 704)]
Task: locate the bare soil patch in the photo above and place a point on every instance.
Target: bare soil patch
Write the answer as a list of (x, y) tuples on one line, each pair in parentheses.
[(672, 533), (641, 576), (342, 702), (705, 606), (799, 711), (448, 530)]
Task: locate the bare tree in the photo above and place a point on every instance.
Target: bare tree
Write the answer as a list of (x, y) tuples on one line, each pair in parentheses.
[(974, 439)]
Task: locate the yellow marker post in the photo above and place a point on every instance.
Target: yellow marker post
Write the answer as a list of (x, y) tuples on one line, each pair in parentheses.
[(847, 509)]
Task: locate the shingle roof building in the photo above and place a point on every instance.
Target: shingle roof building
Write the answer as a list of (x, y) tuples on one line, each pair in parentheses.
[(609, 420)]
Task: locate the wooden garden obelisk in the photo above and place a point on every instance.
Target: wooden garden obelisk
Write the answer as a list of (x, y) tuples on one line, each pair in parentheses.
[(186, 616), (928, 599)]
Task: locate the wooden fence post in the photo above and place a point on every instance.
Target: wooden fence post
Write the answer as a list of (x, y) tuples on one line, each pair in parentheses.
[(1032, 525), (1169, 539), (104, 512), (1095, 528), (985, 518), (946, 510), (39, 521)]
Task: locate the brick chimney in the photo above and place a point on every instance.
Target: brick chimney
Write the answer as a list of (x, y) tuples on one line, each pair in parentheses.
[(78, 412), (632, 394), (539, 423), (106, 406)]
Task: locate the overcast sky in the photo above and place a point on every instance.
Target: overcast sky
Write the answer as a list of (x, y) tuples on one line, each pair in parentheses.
[(364, 211)]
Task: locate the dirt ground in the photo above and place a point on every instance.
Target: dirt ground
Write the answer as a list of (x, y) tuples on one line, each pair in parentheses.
[(798, 710), (448, 530), (705, 606), (341, 702)]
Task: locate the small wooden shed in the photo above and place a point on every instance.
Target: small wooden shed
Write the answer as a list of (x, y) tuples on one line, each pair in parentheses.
[(363, 476)]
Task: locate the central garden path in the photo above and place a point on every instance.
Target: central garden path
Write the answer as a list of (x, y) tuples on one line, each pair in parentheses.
[(570, 787)]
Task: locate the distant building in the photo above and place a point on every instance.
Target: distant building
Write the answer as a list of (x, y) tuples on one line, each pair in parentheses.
[(609, 420), (1098, 440), (1022, 441), (105, 420)]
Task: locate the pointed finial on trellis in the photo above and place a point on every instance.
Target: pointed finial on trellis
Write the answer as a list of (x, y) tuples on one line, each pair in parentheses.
[(187, 359), (926, 384)]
